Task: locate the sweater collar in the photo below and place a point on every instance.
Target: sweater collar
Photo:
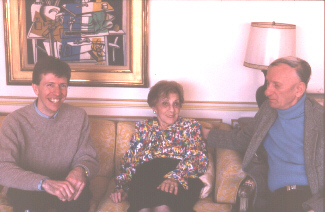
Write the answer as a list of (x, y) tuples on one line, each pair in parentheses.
[(42, 114), (294, 111)]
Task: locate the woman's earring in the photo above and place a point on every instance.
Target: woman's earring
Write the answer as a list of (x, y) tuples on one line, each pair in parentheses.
[(154, 112)]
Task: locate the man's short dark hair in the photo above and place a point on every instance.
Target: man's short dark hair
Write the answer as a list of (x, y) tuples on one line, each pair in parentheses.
[(302, 67), (49, 64)]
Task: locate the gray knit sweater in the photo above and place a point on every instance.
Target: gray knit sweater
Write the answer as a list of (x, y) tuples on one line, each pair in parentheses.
[(33, 147)]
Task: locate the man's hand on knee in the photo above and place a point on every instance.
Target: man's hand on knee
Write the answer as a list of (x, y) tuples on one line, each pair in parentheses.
[(62, 189), (77, 178)]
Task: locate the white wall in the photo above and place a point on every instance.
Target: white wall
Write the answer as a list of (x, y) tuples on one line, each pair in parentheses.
[(202, 45)]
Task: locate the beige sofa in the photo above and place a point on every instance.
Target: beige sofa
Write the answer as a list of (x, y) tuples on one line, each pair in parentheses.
[(111, 139)]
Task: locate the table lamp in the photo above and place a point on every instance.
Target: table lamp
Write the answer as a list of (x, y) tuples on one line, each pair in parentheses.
[(267, 42)]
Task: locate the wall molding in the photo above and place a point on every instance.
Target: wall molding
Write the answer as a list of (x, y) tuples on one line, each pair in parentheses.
[(137, 109), (142, 104), (136, 104), (138, 118)]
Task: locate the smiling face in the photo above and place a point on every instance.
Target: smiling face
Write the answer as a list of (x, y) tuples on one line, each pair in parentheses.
[(167, 109), (51, 92), (284, 87)]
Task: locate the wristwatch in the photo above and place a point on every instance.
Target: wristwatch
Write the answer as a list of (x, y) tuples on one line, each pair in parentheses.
[(86, 171)]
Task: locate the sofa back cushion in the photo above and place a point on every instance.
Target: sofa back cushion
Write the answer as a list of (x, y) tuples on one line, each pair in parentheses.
[(102, 133), (124, 132)]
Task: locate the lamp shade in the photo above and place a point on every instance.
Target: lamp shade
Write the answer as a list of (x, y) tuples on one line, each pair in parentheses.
[(269, 41)]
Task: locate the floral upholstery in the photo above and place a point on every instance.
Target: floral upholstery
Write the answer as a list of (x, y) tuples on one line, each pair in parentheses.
[(229, 174), (124, 132), (228, 177), (4, 205), (5, 208), (111, 140), (102, 133)]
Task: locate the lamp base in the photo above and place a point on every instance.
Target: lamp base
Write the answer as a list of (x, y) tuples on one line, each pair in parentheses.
[(260, 96)]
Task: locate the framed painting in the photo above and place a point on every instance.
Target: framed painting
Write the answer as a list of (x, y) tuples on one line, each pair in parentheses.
[(103, 41)]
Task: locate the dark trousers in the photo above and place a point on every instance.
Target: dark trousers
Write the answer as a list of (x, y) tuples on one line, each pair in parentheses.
[(143, 192), (40, 201), (288, 201)]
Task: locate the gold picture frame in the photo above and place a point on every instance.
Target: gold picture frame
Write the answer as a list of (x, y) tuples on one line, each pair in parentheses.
[(132, 73)]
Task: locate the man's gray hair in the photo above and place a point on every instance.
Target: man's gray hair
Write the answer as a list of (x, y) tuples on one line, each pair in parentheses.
[(302, 67)]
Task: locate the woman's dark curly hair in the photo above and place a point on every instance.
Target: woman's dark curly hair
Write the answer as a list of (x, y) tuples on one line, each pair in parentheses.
[(162, 89)]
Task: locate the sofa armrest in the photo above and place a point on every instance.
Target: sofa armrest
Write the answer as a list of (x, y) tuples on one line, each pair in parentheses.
[(98, 187), (229, 175)]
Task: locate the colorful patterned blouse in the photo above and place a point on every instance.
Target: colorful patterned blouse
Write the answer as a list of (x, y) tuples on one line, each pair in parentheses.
[(182, 140)]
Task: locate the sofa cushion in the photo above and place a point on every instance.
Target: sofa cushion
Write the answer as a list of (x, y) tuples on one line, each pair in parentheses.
[(108, 205), (102, 133), (202, 205), (207, 205)]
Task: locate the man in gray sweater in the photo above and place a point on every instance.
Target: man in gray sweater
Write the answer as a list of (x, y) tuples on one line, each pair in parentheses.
[(46, 153), (284, 144)]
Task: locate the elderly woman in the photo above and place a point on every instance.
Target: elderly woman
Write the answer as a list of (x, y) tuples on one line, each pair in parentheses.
[(166, 156)]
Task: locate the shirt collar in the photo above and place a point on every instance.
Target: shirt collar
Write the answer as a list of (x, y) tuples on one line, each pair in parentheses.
[(42, 114), (155, 123)]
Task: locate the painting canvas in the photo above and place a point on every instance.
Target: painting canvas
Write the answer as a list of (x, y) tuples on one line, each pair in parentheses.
[(100, 39), (76, 31)]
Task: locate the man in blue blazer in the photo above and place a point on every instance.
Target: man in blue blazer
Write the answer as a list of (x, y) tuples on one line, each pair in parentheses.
[(284, 144)]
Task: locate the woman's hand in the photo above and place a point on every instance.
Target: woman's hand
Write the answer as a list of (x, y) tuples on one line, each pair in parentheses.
[(169, 185), (119, 195)]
